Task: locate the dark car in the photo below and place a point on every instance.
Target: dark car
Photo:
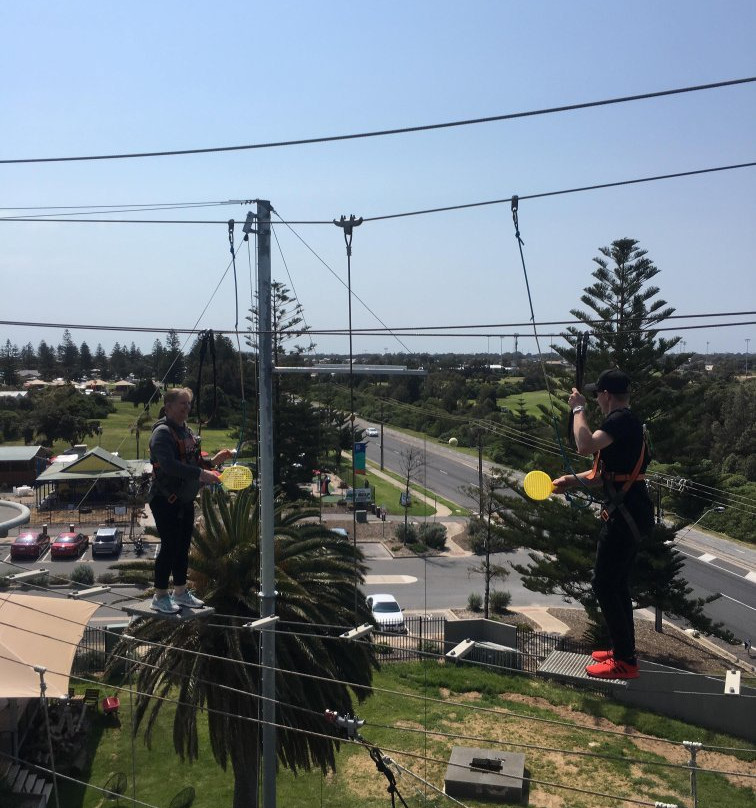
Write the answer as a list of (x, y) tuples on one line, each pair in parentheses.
[(107, 541), (69, 545), (29, 545)]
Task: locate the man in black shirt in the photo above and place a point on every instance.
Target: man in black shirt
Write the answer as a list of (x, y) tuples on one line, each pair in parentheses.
[(620, 460)]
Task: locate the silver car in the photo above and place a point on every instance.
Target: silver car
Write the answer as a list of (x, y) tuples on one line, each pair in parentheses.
[(107, 541)]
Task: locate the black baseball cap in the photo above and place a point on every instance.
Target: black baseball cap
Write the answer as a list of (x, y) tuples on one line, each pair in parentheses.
[(612, 380)]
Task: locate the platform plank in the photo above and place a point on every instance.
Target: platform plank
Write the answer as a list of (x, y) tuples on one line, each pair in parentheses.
[(142, 608), (565, 665)]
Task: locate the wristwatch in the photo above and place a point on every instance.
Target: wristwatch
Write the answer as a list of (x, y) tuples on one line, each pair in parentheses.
[(579, 408)]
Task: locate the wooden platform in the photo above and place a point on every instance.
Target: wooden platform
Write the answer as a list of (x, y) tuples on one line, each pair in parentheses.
[(570, 667), (142, 608)]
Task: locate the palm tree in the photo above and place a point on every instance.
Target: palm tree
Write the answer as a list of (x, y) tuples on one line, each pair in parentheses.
[(316, 573), (140, 425)]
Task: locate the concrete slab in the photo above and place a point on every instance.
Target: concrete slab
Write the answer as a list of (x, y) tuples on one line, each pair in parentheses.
[(374, 549), (468, 774)]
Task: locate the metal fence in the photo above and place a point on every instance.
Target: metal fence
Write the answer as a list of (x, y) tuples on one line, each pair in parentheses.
[(424, 638)]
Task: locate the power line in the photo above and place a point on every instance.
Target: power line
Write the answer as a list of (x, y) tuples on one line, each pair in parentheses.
[(386, 132)]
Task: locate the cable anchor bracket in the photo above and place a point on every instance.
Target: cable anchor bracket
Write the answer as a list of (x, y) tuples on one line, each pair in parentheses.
[(348, 226)]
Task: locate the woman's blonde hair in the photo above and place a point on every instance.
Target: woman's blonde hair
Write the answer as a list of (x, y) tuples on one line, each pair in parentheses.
[(173, 394)]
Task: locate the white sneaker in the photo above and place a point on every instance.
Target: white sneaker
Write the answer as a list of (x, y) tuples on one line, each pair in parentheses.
[(187, 599), (165, 604)]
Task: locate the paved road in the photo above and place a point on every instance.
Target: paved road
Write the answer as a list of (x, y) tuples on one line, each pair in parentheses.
[(713, 565)]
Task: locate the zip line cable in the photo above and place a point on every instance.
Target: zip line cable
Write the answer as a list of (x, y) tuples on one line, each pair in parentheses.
[(406, 753), (386, 132), (406, 214), (347, 286), (354, 685), (419, 330), (398, 728), (107, 794), (296, 706), (426, 759)]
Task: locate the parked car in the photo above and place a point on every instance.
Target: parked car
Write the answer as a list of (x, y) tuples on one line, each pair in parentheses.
[(69, 545), (29, 545), (372, 432), (107, 541), (387, 615)]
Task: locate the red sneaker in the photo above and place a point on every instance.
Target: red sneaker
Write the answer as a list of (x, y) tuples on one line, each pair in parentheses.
[(601, 656), (612, 669)]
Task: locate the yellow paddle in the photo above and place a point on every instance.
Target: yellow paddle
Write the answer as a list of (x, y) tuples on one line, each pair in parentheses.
[(538, 485)]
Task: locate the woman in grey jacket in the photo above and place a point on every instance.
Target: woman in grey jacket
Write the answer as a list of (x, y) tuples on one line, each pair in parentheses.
[(178, 473)]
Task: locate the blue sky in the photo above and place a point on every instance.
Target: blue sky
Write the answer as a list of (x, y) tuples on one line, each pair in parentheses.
[(101, 78)]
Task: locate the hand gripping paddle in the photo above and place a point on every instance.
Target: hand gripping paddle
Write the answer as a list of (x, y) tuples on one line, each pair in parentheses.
[(235, 478), (538, 485)]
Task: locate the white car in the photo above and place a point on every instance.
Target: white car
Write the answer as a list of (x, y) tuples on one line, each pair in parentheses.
[(386, 613), (372, 432)]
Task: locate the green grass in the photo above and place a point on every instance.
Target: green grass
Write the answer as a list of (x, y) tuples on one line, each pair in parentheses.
[(532, 402), (117, 437), (388, 495), (391, 720)]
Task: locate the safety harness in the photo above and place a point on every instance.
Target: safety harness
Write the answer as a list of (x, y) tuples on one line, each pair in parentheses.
[(615, 498), (189, 452)]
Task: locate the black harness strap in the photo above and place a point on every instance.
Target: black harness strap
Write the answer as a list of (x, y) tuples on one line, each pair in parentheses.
[(615, 498), (581, 350)]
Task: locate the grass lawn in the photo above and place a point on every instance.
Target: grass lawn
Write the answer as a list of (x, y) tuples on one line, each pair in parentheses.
[(387, 495), (532, 401), (542, 717), (117, 436)]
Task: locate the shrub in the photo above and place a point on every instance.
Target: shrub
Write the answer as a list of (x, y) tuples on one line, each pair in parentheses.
[(474, 602), (83, 574), (433, 534), (418, 547), (411, 535), (498, 602), (108, 578)]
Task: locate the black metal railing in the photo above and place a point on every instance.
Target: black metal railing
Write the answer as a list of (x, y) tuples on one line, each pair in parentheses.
[(424, 638)]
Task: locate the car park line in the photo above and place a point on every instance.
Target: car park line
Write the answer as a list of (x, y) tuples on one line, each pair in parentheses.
[(375, 580)]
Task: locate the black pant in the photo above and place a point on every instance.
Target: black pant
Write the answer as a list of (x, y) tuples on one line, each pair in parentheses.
[(175, 523), (617, 548)]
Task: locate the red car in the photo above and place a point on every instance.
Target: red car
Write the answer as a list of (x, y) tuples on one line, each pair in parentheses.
[(29, 545), (69, 545)]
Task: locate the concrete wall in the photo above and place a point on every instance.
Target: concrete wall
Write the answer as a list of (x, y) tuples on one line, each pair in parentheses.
[(480, 630), (692, 698)]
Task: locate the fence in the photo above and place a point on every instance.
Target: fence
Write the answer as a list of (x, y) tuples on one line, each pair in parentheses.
[(425, 636)]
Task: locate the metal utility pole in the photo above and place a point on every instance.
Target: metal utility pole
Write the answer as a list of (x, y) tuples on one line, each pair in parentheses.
[(480, 470), (267, 544), (748, 344), (381, 435)]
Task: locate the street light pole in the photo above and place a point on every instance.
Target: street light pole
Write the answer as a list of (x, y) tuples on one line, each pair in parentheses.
[(747, 342)]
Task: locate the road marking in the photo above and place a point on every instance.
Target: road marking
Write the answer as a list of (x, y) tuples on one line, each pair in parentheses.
[(740, 603), (708, 558), (374, 580)]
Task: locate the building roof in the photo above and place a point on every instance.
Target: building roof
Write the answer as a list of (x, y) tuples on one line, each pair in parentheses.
[(96, 463), (15, 453)]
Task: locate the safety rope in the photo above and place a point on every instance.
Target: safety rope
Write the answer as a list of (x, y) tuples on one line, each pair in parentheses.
[(580, 364)]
